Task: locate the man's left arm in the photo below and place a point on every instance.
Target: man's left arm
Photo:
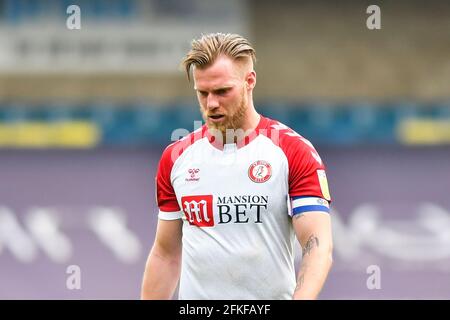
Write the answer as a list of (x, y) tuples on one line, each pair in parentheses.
[(313, 230)]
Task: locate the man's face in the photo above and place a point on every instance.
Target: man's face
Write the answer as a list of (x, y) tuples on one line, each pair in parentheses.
[(222, 94)]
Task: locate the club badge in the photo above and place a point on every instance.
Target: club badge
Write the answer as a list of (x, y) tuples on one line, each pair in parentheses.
[(260, 171)]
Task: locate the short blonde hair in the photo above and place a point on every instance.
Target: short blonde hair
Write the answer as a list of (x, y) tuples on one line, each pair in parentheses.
[(204, 51)]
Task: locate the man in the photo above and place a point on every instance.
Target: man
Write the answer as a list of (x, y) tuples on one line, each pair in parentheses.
[(234, 194)]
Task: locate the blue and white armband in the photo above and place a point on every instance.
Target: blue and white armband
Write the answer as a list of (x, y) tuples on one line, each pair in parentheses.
[(304, 204)]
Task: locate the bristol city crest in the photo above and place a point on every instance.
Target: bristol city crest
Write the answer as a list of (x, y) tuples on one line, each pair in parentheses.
[(260, 171)]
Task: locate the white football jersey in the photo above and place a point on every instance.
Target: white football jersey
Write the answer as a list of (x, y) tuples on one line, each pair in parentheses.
[(237, 203)]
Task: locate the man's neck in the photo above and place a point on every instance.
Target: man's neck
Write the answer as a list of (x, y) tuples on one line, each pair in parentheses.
[(249, 126), (252, 121)]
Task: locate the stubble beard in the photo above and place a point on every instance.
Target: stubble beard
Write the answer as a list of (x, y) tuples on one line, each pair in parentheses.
[(229, 128)]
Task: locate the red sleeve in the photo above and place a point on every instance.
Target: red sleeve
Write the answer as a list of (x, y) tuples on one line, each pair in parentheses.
[(165, 194), (307, 175)]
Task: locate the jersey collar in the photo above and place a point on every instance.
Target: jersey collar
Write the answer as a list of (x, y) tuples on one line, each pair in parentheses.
[(262, 124)]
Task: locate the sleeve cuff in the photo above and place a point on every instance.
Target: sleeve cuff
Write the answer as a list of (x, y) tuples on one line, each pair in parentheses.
[(163, 215)]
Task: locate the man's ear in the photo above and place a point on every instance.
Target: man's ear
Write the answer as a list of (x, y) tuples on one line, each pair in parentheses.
[(250, 80)]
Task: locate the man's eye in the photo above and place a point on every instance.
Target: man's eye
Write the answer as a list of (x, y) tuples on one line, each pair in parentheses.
[(222, 91), (203, 93)]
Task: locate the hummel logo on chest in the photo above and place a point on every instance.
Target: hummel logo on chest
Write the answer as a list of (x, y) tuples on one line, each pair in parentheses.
[(192, 174)]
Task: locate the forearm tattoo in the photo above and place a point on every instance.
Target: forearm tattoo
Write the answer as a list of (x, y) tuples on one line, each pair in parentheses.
[(312, 242), (301, 276), (301, 280)]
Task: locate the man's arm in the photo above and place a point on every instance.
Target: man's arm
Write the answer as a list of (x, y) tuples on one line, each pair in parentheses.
[(163, 267), (313, 230)]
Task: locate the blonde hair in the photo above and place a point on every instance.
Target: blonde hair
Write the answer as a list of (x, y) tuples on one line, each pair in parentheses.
[(205, 50)]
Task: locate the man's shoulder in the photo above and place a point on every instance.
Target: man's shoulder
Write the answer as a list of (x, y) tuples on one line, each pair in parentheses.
[(176, 148), (284, 136), (298, 150)]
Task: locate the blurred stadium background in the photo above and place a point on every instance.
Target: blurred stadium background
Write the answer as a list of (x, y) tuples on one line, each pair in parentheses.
[(85, 114)]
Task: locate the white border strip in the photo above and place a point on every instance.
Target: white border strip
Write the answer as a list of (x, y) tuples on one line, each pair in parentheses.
[(170, 215)]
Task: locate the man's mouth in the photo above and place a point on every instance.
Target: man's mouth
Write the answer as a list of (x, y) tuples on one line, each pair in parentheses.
[(216, 117)]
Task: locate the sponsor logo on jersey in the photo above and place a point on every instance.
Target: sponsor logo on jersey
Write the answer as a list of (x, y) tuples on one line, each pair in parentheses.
[(260, 171), (198, 210), (323, 184), (242, 209), (193, 174)]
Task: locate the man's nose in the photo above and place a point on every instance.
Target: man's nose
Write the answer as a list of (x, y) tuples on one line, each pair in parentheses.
[(212, 102)]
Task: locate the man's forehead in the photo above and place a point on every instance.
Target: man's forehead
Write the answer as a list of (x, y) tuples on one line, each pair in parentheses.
[(223, 72), (214, 82), (212, 85)]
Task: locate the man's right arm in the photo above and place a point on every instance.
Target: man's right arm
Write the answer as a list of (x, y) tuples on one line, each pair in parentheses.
[(163, 267)]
